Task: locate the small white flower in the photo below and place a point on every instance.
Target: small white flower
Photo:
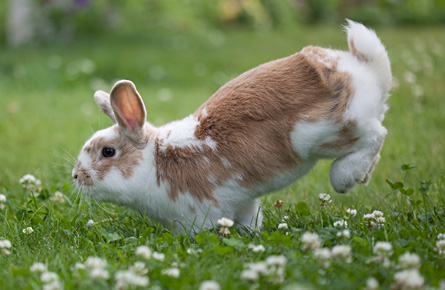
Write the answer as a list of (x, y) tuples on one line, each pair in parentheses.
[(2, 198), (352, 212), (95, 263), (5, 244), (441, 236), (377, 213), (225, 222), (409, 261), (343, 252), (90, 223), (249, 275), (310, 241), (129, 278), (58, 197), (139, 268), (369, 216), (409, 279), (30, 182), (341, 223), (224, 231), (285, 218), (79, 266), (282, 226), (55, 285), (372, 284), (256, 249), (382, 249), (144, 252), (440, 246), (324, 197), (49, 277), (38, 268), (381, 220), (6, 252), (209, 285), (323, 255), (99, 273), (172, 272), (278, 261), (158, 256), (344, 234), (260, 267), (191, 251), (28, 230)]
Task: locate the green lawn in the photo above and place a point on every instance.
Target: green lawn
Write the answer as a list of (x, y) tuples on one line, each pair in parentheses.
[(47, 111)]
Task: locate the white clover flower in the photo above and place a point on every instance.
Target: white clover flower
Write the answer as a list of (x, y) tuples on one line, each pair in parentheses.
[(372, 284), (278, 261), (6, 252), (383, 249), (49, 277), (310, 241), (129, 278), (2, 198), (144, 252), (369, 216), (158, 256), (260, 267), (344, 234), (58, 197), (5, 244), (256, 249), (380, 220), (377, 213), (191, 251), (408, 279), (209, 285), (90, 223), (28, 230), (224, 231), (285, 218), (79, 266), (323, 255), (172, 272), (95, 263), (282, 226), (139, 268), (343, 252), (441, 236), (225, 222), (440, 246), (55, 285), (341, 223), (249, 275), (30, 182), (38, 268), (324, 197), (409, 261), (352, 212), (99, 273)]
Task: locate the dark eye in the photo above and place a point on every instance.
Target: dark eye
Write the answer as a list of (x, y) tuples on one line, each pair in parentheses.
[(108, 152)]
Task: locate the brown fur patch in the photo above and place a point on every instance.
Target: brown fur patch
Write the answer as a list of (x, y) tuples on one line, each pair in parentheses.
[(128, 156), (355, 52), (346, 137), (250, 118), (82, 176)]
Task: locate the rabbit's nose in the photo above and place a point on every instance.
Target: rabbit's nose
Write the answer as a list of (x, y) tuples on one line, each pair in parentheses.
[(75, 176)]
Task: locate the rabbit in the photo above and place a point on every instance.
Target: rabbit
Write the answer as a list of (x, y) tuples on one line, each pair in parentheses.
[(257, 134)]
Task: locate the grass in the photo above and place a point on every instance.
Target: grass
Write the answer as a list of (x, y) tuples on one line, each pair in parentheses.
[(47, 112)]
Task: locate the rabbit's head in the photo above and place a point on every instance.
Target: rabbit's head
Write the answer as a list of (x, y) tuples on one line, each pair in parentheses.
[(109, 163)]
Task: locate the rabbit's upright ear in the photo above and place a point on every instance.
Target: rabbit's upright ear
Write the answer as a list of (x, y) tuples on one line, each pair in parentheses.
[(102, 99), (128, 108)]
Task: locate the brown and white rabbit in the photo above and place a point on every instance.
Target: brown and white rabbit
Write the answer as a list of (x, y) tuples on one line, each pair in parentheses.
[(257, 134)]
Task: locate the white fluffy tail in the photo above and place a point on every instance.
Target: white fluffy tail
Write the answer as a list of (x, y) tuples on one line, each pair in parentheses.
[(367, 47)]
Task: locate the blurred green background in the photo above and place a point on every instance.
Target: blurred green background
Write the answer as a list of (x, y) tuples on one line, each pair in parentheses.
[(55, 54)]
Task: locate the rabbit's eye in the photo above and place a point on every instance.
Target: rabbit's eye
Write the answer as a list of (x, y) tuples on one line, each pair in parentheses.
[(108, 152)]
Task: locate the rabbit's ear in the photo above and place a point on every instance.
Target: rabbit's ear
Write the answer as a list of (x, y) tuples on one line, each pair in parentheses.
[(102, 99), (128, 108)]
